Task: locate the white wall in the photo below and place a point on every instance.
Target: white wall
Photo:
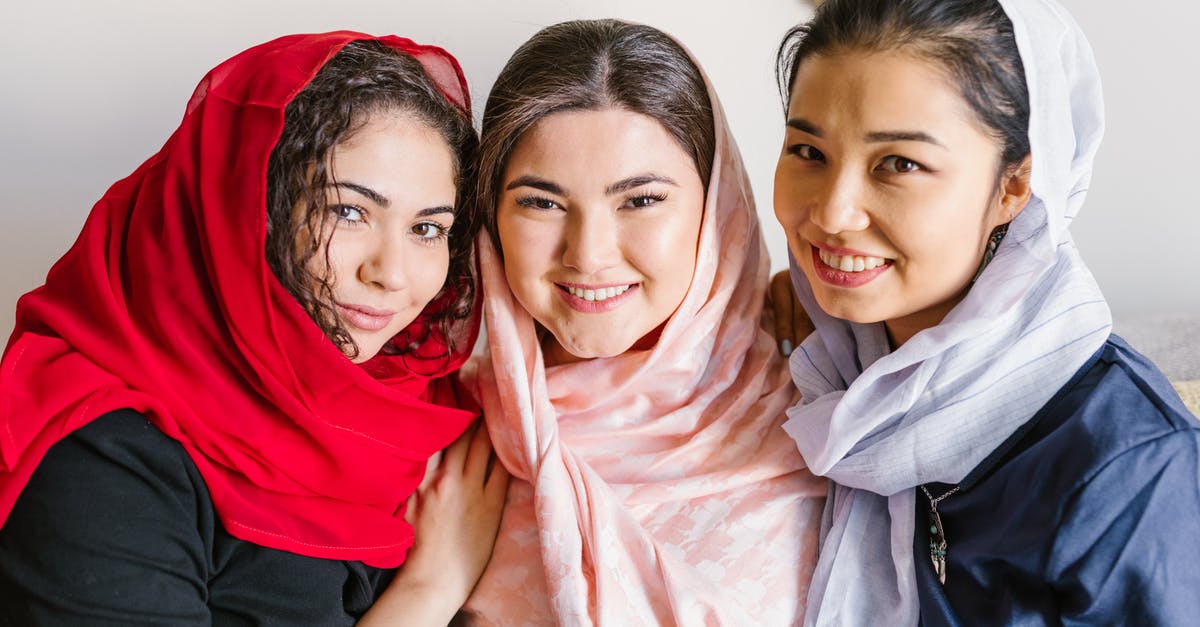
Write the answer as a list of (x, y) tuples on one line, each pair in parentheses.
[(93, 87)]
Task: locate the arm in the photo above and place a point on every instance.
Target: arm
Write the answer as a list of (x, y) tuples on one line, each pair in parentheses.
[(106, 533), (456, 515), (1128, 550)]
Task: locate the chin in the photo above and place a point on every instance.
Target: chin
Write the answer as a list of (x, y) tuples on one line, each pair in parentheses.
[(849, 311), (582, 350)]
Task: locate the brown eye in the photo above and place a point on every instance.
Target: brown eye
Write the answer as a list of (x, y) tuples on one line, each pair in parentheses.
[(348, 213), (806, 152), (899, 165), (644, 200), (430, 232), (537, 202)]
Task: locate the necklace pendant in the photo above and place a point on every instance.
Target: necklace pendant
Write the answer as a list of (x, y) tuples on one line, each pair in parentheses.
[(937, 546)]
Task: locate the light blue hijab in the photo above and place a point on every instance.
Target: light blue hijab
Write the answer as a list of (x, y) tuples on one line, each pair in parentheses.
[(880, 423)]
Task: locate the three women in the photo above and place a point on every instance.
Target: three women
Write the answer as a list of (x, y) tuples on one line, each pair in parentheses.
[(935, 154)]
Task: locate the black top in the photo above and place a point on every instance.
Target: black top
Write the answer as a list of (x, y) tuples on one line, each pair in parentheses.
[(116, 527), (1088, 515)]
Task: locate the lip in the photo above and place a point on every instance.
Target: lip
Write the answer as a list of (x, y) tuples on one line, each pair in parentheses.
[(365, 318), (839, 278), (595, 306)]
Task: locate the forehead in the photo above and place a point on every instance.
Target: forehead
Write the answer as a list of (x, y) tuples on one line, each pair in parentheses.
[(884, 90), (596, 144), (398, 155)]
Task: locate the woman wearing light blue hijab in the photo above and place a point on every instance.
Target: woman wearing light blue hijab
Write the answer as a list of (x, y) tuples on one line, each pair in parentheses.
[(999, 456)]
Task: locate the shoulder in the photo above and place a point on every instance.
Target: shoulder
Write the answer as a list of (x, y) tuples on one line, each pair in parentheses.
[(124, 450), (1122, 536), (1118, 402), (115, 520)]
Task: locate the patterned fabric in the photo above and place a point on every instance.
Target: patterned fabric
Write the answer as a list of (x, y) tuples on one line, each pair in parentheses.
[(655, 487), (880, 423)]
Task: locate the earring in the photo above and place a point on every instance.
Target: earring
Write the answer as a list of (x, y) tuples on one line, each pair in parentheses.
[(989, 252)]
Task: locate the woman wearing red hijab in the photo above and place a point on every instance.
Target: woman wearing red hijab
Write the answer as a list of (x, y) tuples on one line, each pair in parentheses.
[(218, 405)]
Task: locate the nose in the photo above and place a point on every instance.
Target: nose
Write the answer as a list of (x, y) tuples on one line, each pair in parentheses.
[(385, 265), (838, 205), (592, 241)]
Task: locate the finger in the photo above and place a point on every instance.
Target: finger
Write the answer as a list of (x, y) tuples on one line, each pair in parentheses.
[(784, 305), (476, 464), (410, 509), (497, 483), (455, 455), (431, 469)]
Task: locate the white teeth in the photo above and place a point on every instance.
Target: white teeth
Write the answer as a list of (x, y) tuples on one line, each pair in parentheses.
[(851, 263), (593, 295)]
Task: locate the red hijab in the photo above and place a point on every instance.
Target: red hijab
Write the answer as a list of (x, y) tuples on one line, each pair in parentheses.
[(166, 305)]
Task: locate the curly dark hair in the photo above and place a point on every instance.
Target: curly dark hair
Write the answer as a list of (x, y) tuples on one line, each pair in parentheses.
[(364, 78), (591, 65)]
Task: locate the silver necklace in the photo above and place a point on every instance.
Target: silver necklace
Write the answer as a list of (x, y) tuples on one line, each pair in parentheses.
[(937, 535)]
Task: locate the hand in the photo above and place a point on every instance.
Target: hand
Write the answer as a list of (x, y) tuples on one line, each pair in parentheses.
[(456, 514), (792, 323)]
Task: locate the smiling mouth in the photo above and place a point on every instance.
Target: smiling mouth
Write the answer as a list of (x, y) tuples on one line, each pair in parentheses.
[(851, 263), (596, 294)]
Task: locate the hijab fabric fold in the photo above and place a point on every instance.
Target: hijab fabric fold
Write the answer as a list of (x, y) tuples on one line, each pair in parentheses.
[(166, 305), (879, 423), (655, 487)]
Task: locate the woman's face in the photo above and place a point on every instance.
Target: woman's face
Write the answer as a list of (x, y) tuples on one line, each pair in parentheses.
[(391, 197), (888, 189), (599, 215)]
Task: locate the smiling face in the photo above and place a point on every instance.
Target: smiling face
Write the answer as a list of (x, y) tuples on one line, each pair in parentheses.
[(391, 205), (598, 217), (888, 188)]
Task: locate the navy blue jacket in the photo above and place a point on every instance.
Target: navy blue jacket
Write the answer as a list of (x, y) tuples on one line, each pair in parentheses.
[(1089, 515)]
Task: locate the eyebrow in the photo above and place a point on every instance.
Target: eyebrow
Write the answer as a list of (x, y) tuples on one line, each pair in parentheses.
[(622, 185), (375, 196), (634, 182), (805, 126), (800, 124), (432, 211), (904, 136), (536, 183), (384, 202)]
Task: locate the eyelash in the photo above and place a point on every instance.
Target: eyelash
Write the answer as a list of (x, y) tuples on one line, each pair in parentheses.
[(798, 150), (807, 152), (896, 160), (339, 209), (442, 233), (532, 202), (656, 198), (537, 202)]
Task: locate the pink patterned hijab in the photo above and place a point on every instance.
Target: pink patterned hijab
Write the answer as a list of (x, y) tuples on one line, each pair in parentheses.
[(657, 486)]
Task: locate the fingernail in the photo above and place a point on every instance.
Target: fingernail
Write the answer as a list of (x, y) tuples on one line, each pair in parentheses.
[(785, 348)]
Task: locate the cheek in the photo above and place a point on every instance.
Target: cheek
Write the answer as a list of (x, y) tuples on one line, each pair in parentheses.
[(434, 271), (341, 260), (947, 230), (666, 249), (528, 252), (784, 195), (793, 194)]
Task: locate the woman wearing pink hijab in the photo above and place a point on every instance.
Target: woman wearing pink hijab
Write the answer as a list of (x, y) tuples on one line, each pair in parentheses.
[(628, 385)]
